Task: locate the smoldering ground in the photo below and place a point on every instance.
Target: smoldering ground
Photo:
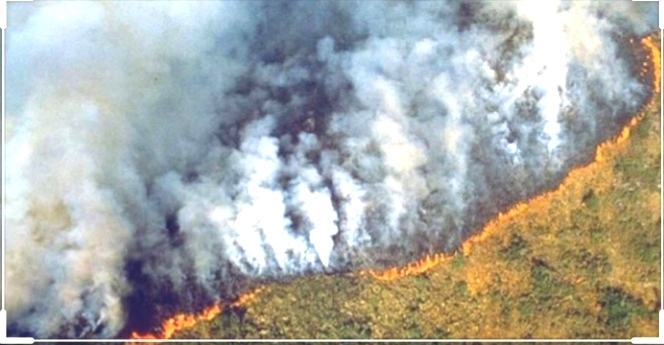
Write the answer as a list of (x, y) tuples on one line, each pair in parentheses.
[(164, 155)]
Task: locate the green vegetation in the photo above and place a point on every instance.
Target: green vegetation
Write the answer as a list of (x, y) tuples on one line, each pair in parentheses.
[(618, 306), (581, 262)]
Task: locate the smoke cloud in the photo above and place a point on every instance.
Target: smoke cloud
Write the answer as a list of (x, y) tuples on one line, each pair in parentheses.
[(163, 155)]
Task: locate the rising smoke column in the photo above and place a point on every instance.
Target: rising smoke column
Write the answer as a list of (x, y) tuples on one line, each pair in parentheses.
[(162, 155)]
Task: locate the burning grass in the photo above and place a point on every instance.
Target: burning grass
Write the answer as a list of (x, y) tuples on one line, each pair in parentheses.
[(581, 261)]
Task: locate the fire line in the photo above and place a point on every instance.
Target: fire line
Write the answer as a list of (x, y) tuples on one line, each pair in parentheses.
[(649, 43), (651, 64), (182, 321)]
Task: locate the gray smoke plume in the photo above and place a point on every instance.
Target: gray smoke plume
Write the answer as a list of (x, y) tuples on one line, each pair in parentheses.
[(164, 155)]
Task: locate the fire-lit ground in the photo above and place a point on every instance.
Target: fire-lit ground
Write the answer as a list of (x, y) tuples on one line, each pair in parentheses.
[(582, 261), (184, 321)]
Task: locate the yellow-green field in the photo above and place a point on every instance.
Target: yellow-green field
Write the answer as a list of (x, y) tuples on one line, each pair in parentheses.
[(580, 262)]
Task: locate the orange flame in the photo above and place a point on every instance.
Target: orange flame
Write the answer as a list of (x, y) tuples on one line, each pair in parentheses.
[(650, 43), (418, 267), (183, 321), (653, 63)]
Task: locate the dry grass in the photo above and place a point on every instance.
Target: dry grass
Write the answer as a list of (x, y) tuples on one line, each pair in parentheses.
[(582, 261), (579, 262)]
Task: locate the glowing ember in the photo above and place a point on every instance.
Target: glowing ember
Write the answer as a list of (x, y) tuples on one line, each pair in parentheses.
[(651, 43)]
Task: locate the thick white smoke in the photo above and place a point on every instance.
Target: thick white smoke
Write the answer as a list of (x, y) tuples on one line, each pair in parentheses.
[(167, 154)]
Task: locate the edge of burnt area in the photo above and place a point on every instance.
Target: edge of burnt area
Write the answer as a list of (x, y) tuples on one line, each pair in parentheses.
[(145, 316)]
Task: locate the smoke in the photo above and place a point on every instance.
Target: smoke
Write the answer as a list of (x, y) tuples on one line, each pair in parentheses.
[(163, 155)]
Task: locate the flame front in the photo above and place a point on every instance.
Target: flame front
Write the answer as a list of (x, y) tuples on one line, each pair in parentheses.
[(652, 62), (183, 321), (649, 43)]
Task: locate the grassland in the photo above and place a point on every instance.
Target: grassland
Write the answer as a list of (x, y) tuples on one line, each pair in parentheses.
[(582, 261)]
